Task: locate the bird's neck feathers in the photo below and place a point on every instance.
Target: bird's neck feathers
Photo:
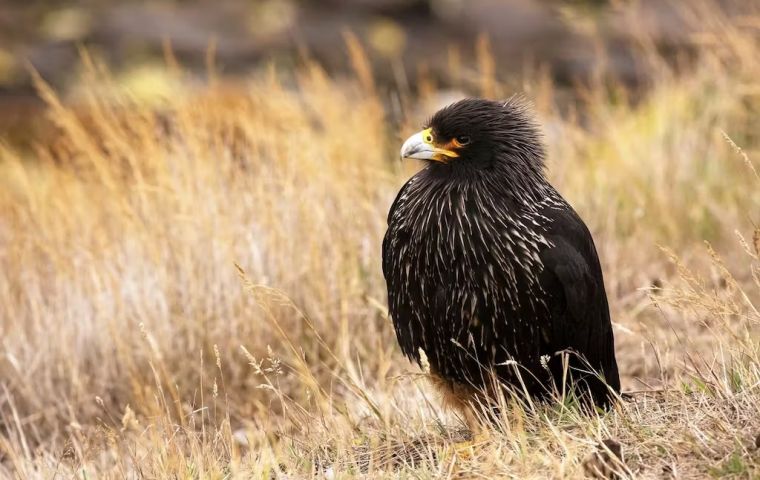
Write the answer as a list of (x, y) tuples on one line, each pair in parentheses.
[(513, 173), (518, 171), (519, 156)]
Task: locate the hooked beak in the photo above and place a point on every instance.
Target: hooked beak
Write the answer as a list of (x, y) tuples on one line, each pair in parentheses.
[(422, 147)]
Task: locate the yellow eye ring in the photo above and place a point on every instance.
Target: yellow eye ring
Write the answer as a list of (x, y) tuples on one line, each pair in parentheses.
[(427, 136)]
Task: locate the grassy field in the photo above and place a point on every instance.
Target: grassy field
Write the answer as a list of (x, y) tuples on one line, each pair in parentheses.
[(190, 287)]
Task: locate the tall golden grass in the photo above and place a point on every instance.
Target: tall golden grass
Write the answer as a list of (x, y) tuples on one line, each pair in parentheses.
[(191, 288)]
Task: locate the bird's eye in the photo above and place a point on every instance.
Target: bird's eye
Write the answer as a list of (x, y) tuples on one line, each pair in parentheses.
[(462, 140)]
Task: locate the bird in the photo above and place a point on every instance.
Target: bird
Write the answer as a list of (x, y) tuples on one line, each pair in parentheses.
[(490, 272)]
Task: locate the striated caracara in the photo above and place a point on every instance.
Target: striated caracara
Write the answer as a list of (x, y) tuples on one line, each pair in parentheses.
[(489, 270)]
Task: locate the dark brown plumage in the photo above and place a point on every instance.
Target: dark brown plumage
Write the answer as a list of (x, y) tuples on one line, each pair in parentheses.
[(488, 268)]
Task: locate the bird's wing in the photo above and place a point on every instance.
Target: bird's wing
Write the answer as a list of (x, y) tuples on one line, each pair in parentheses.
[(400, 298), (386, 240), (387, 252), (579, 318), (400, 196)]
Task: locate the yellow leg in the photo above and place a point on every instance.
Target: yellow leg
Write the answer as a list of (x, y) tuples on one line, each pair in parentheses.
[(479, 435), (471, 420), (462, 398)]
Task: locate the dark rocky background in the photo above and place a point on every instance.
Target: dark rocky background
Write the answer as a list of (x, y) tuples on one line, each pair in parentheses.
[(403, 37)]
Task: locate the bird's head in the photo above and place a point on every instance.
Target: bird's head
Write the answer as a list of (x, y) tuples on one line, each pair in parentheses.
[(478, 133)]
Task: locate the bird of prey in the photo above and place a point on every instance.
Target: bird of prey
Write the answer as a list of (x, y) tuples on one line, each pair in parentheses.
[(490, 272)]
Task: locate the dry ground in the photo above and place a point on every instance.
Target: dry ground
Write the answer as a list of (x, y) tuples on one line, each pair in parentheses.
[(191, 287)]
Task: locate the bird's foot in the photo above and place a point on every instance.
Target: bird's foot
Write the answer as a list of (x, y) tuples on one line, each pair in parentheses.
[(467, 449)]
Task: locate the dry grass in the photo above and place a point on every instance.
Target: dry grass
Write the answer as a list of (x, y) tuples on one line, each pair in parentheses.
[(192, 289)]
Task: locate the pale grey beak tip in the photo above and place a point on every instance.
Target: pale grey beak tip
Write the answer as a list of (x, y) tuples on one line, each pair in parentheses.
[(415, 147)]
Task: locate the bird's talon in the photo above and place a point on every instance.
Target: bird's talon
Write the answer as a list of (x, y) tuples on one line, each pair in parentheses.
[(480, 438), (467, 449)]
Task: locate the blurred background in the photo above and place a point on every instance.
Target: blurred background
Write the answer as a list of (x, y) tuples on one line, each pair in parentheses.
[(193, 196), (406, 40)]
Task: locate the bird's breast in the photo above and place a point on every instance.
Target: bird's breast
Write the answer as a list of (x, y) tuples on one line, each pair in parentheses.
[(472, 243)]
